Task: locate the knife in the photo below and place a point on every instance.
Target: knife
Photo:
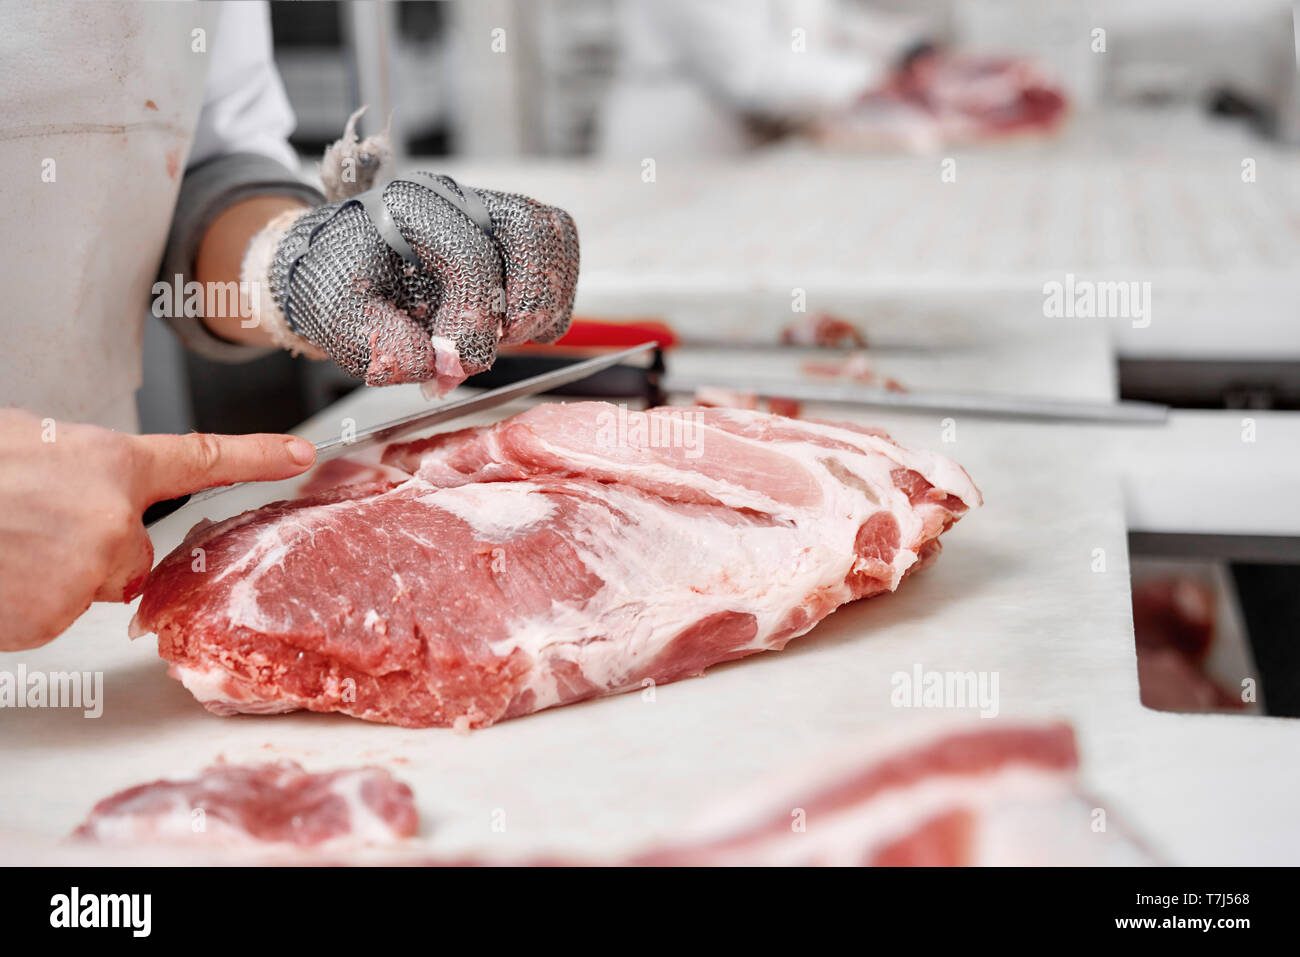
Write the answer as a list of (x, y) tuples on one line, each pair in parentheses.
[(420, 420), (976, 403)]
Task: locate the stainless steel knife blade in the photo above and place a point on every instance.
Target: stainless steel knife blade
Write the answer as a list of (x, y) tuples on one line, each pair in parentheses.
[(976, 403), (487, 400), (420, 420)]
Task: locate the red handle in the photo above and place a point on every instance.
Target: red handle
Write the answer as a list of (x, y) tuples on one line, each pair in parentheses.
[(589, 333)]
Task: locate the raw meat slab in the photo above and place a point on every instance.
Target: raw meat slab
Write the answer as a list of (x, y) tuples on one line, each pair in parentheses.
[(565, 553)]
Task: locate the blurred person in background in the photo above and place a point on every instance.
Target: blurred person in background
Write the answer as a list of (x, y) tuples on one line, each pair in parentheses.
[(721, 77)]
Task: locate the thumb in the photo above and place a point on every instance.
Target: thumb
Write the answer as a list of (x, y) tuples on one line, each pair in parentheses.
[(167, 466)]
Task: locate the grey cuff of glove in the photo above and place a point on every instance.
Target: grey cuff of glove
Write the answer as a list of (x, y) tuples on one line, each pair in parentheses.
[(206, 192)]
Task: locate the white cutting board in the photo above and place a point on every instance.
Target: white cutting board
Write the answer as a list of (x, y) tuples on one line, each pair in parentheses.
[(1014, 592)]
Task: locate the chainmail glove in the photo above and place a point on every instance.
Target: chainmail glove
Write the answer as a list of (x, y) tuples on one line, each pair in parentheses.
[(417, 279)]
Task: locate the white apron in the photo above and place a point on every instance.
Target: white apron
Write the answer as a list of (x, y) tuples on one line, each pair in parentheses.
[(100, 102)]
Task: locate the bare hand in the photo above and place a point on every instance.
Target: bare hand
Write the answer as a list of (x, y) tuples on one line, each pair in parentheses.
[(71, 501)]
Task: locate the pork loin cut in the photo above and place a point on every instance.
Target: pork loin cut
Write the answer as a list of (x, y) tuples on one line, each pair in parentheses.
[(570, 551)]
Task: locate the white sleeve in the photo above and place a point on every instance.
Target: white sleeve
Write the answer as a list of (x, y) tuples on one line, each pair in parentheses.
[(245, 109), (746, 52)]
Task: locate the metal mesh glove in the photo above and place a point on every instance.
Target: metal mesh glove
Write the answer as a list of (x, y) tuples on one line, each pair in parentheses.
[(402, 284)]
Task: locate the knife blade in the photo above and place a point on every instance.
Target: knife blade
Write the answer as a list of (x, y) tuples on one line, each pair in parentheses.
[(444, 413), (976, 403), (487, 400)]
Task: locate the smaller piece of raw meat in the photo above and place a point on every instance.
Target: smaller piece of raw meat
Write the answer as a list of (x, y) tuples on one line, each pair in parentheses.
[(268, 805), (824, 330)]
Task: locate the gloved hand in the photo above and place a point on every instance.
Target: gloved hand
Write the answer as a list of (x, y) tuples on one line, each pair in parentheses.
[(417, 279)]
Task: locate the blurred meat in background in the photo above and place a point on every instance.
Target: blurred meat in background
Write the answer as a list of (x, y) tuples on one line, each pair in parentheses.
[(1192, 653)]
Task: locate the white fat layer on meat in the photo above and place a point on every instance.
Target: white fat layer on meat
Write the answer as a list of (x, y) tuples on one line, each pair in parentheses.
[(206, 684), (646, 603), (211, 686), (938, 470), (852, 835), (171, 822), (497, 512), (730, 494), (365, 826)]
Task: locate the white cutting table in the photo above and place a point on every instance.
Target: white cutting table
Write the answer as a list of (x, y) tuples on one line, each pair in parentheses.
[(1014, 592), (958, 266)]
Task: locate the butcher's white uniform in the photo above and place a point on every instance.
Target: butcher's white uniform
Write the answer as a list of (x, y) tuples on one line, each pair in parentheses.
[(104, 105), (691, 70)]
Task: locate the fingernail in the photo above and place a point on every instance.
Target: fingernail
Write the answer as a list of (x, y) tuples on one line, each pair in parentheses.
[(301, 451)]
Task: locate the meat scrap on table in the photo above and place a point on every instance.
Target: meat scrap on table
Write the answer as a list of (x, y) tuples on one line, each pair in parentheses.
[(824, 330), (714, 397), (856, 367), (570, 551), (269, 805)]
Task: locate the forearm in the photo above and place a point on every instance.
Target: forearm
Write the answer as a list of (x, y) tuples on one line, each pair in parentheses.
[(223, 203), (220, 253)]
